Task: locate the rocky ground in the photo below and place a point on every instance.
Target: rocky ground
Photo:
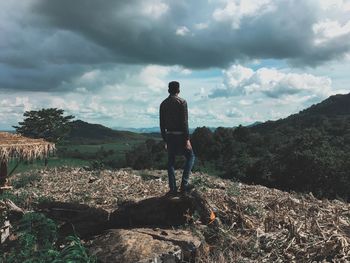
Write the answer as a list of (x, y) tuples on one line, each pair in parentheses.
[(253, 223)]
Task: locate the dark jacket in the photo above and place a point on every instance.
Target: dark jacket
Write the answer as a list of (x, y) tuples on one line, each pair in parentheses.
[(173, 116)]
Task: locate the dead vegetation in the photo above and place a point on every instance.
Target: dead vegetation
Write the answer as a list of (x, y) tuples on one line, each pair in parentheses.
[(17, 146), (256, 224)]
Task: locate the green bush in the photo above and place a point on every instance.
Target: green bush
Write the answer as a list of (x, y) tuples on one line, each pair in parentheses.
[(36, 243), (24, 179), (20, 199), (75, 252)]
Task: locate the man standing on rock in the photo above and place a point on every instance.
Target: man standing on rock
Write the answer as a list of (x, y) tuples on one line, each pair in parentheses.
[(173, 117)]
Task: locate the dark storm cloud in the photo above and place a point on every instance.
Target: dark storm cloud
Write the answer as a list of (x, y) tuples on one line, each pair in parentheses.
[(121, 27), (65, 37), (40, 78)]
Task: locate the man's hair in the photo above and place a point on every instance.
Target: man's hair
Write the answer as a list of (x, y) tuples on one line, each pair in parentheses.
[(174, 87)]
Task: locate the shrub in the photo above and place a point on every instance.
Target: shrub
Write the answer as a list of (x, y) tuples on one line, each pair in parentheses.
[(36, 242), (23, 180)]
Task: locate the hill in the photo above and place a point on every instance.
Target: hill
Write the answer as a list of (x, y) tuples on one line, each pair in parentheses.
[(330, 112), (334, 105), (86, 133), (252, 223), (305, 152)]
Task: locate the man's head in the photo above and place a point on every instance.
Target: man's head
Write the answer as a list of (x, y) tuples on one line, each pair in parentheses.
[(174, 87)]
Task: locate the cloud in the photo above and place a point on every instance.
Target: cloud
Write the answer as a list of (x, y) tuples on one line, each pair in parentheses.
[(152, 77), (201, 26), (233, 113), (110, 61), (182, 31), (45, 45), (329, 29), (235, 11), (343, 5), (271, 82), (154, 9)]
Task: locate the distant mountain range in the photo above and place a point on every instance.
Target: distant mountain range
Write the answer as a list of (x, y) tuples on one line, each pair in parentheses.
[(137, 130), (149, 130)]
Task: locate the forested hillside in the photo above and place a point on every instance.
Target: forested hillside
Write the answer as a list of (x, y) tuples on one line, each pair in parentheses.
[(306, 152)]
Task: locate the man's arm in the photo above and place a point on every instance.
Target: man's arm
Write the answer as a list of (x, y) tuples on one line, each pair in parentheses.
[(185, 121), (162, 121), (185, 128)]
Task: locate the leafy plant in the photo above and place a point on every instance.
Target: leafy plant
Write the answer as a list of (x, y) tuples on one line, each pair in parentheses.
[(201, 182), (20, 199), (38, 225), (23, 180), (36, 243), (75, 252), (233, 189)]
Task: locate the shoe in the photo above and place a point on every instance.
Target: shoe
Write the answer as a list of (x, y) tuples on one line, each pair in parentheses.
[(171, 193), (186, 188)]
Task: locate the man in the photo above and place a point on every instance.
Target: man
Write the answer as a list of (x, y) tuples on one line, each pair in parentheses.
[(173, 117)]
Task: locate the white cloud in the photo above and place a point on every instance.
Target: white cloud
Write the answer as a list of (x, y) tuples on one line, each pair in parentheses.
[(182, 31), (343, 5), (201, 26), (244, 102), (233, 113), (90, 76), (274, 83), (154, 9), (16, 104), (153, 76), (235, 10), (185, 71), (329, 29), (236, 75), (12, 109)]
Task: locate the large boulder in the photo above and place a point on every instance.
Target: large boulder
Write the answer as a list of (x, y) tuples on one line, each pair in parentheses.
[(145, 245)]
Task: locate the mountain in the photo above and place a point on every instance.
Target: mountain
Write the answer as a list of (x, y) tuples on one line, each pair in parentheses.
[(328, 113), (86, 133), (334, 105), (254, 124)]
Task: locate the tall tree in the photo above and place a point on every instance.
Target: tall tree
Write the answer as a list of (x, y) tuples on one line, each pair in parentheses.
[(49, 124)]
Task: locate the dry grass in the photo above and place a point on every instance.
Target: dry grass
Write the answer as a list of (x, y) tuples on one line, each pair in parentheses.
[(17, 146), (258, 224)]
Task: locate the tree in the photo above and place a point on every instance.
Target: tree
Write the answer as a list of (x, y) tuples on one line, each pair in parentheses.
[(202, 142), (49, 124)]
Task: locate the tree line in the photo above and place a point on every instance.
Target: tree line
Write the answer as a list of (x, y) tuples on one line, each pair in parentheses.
[(305, 154)]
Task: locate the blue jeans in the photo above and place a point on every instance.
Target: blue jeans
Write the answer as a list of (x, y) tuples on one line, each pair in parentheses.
[(176, 146)]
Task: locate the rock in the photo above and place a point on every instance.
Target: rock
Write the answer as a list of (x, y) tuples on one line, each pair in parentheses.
[(5, 231), (145, 245)]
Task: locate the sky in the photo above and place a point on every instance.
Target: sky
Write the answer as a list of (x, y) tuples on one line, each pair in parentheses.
[(109, 61)]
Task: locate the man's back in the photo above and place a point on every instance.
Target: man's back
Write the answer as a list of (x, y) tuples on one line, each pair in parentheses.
[(174, 115)]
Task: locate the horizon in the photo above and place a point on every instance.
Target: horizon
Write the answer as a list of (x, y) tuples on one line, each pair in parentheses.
[(237, 62)]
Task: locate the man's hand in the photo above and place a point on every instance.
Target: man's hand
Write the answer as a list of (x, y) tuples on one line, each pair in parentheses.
[(166, 146), (188, 145)]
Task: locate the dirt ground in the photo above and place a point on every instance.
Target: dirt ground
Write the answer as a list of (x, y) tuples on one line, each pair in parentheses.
[(258, 224)]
